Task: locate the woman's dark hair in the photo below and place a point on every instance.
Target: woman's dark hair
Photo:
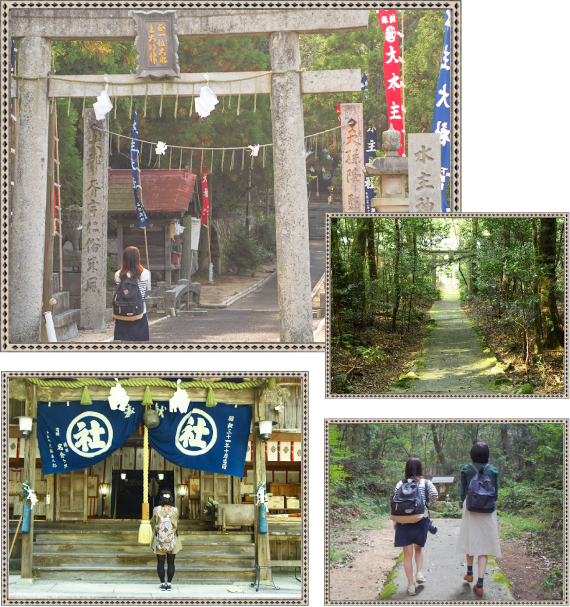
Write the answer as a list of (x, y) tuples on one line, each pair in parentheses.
[(414, 468), (163, 500), (480, 453), (131, 263)]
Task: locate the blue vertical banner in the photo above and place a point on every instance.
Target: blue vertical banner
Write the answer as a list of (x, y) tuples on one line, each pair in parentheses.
[(363, 83), (142, 217), (369, 155), (442, 110), (13, 122)]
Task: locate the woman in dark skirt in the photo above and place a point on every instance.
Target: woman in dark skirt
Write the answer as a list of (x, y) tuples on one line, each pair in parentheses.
[(413, 536), (136, 330)]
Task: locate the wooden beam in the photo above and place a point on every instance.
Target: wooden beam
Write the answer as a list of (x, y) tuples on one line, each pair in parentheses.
[(29, 475), (127, 85), (262, 553), (55, 394), (116, 24)]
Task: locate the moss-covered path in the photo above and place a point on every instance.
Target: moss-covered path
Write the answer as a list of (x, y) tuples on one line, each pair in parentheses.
[(444, 571), (454, 359)]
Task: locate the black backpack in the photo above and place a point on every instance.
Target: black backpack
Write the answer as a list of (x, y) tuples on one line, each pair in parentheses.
[(127, 300), (407, 505), (481, 496)]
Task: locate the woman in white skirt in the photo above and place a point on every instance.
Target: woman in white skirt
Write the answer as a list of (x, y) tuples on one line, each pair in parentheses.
[(479, 534)]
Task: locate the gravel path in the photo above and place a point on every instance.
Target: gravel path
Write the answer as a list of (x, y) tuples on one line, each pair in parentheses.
[(444, 571), (454, 358)]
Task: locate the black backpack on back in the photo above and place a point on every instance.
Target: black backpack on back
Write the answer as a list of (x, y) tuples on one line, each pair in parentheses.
[(128, 303), (481, 496), (407, 505)]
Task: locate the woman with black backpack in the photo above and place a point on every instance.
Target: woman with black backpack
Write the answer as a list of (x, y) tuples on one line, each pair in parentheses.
[(165, 541), (412, 494), (479, 534), (129, 307)]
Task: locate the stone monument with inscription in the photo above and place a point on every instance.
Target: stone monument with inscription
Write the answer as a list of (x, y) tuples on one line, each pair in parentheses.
[(351, 120), (424, 166), (95, 205)]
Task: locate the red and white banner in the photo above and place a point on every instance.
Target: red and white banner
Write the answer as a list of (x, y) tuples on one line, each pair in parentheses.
[(389, 23), (205, 197)]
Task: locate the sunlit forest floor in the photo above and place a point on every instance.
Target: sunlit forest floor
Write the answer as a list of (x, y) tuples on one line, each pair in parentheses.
[(399, 348), (502, 339)]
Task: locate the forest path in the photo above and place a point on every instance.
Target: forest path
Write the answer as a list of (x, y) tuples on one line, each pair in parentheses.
[(444, 571), (454, 358)]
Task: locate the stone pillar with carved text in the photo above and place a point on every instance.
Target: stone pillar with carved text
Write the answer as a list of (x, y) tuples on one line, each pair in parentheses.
[(95, 206), (30, 164), (290, 187), (424, 172), (353, 142)]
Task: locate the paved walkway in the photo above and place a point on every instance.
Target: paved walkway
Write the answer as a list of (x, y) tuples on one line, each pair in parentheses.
[(454, 358), (255, 318), (289, 588), (444, 571)]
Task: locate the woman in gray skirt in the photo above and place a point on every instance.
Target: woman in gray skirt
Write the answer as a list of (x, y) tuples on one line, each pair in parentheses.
[(479, 534)]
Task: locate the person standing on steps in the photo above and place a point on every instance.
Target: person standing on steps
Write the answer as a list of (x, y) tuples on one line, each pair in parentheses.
[(479, 534), (129, 307), (165, 541), (412, 536)]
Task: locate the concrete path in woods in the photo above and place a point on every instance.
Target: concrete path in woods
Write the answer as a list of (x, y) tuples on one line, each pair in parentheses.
[(255, 318), (444, 571), (453, 355)]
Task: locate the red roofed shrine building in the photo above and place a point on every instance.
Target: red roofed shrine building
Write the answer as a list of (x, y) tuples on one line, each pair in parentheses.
[(167, 196)]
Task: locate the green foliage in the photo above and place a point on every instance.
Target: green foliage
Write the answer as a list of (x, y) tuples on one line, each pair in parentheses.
[(373, 354), (244, 253)]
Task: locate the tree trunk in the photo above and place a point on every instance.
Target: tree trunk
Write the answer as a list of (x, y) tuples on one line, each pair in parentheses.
[(547, 252), (438, 440), (396, 274), (537, 322), (372, 269)]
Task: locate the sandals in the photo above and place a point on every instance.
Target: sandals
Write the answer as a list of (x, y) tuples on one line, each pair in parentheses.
[(411, 590), (420, 579), (468, 578)]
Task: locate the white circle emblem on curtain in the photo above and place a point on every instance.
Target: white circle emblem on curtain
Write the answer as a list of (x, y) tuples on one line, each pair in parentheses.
[(88, 440), (196, 433)]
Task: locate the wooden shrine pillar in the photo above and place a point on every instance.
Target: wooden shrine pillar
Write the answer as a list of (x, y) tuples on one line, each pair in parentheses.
[(167, 256), (262, 554), (29, 475)]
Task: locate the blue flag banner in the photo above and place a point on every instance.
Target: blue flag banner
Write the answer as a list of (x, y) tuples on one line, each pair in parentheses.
[(369, 155), (74, 436), (142, 217), (442, 110), (364, 83), (204, 438)]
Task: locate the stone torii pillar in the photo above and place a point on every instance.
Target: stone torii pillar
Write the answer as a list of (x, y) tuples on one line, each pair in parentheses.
[(290, 188), (26, 234)]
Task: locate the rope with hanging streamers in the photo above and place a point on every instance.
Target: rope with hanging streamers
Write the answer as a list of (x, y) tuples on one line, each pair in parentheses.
[(135, 383), (242, 159), (232, 161), (212, 163), (180, 165), (191, 159), (223, 155)]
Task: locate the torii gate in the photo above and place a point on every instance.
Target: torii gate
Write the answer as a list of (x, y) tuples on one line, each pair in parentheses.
[(451, 253), (36, 28)]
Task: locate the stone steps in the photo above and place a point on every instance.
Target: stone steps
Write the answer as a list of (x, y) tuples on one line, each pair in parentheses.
[(109, 551), (111, 560), (185, 575), (318, 215), (99, 546)]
